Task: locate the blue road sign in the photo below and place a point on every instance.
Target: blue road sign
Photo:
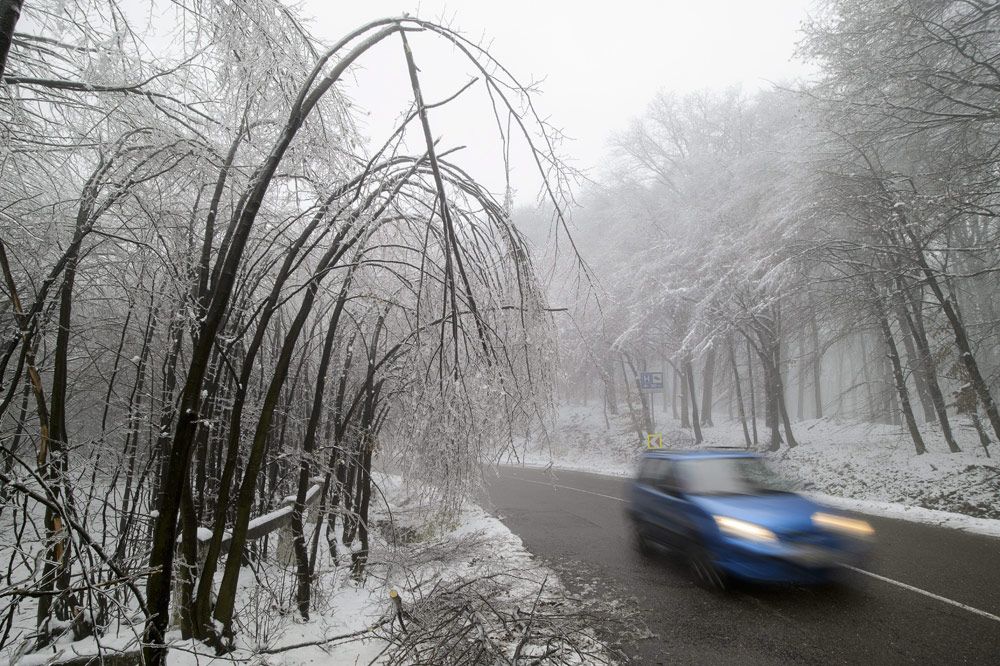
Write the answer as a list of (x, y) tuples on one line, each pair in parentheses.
[(651, 381)]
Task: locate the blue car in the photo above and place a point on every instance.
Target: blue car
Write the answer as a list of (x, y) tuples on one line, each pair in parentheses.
[(731, 516)]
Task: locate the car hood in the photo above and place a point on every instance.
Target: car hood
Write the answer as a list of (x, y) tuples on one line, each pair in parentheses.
[(779, 512)]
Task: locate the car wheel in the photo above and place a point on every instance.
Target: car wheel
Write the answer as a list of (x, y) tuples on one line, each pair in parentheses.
[(641, 541), (706, 573)]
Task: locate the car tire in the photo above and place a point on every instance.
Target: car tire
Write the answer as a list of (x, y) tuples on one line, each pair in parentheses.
[(641, 541), (706, 572)]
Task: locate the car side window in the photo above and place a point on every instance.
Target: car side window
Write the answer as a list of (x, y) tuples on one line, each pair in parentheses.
[(658, 473), (666, 480), (647, 472)]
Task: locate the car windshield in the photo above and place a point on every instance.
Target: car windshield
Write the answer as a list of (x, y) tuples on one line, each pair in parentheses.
[(730, 476)]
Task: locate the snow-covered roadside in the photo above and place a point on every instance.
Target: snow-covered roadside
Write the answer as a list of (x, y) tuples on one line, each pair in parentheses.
[(355, 622), (353, 606), (427, 567), (915, 514), (861, 467)]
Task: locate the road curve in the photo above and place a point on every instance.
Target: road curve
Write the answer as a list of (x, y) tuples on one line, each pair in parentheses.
[(930, 595)]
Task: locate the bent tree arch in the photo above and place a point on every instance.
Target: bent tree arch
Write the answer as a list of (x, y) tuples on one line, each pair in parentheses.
[(421, 223), (241, 300)]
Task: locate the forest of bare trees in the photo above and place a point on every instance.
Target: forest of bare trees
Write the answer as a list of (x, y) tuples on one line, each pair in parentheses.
[(826, 250), (215, 297)]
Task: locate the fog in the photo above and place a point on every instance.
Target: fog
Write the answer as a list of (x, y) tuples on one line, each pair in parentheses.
[(499, 333), (598, 67)]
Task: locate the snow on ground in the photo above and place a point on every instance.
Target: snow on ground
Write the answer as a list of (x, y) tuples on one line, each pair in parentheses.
[(581, 439), (411, 553), (957, 521), (859, 466)]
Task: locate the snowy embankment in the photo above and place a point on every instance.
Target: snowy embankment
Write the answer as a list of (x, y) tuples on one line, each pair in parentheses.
[(858, 466), (469, 574), (465, 584)]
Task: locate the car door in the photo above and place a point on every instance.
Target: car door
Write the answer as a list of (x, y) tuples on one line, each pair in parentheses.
[(669, 509), (645, 495)]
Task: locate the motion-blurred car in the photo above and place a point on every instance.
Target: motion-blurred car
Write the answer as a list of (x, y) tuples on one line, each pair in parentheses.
[(731, 516)]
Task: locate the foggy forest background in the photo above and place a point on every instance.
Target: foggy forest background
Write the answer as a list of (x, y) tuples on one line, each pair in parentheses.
[(821, 251)]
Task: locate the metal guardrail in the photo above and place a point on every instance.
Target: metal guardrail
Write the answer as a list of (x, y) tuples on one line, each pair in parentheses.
[(269, 522)]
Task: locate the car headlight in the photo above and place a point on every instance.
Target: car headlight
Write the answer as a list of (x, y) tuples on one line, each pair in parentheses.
[(843, 524), (741, 529)]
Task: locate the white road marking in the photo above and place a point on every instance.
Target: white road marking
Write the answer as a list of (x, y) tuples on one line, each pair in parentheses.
[(938, 597), (905, 586), (556, 485)]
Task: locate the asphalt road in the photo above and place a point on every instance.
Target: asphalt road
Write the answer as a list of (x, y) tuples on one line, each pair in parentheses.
[(931, 595)]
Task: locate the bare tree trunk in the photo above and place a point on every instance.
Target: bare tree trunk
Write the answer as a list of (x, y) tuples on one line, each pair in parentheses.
[(373, 390), (984, 439), (893, 399), (914, 361), (783, 410), (117, 364), (897, 371), (360, 557), (772, 346), (167, 407), (673, 390), (817, 359), (739, 393), (348, 490), (926, 364), (188, 565), (56, 570), (707, 383), (15, 442), (202, 437), (682, 378), (10, 11), (328, 436), (339, 455), (961, 340), (54, 554), (665, 397), (131, 447), (689, 371), (800, 381), (638, 420), (872, 401), (772, 417), (610, 392), (644, 398), (753, 399), (308, 446)]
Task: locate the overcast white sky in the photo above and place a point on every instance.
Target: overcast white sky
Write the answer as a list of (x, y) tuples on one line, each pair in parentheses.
[(601, 63)]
